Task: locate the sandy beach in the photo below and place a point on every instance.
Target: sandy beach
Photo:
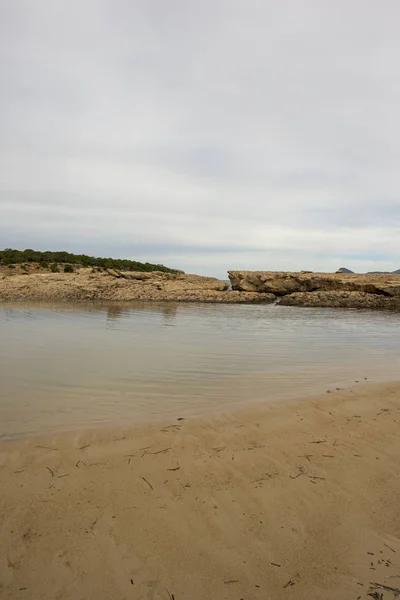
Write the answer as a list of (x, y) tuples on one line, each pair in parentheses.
[(297, 500)]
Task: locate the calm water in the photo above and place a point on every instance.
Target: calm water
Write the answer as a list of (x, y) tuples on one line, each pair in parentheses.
[(64, 367)]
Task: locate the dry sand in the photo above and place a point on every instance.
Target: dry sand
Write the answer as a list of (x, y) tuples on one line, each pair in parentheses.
[(299, 500)]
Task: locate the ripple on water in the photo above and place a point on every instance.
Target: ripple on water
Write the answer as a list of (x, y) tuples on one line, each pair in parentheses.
[(75, 366)]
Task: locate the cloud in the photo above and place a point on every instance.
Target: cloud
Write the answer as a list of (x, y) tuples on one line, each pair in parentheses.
[(206, 136)]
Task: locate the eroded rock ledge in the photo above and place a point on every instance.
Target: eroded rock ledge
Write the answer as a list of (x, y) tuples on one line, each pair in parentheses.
[(338, 290), (341, 290), (111, 284)]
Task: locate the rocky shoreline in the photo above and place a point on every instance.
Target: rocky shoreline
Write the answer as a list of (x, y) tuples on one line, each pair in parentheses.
[(112, 285), (335, 290), (308, 289)]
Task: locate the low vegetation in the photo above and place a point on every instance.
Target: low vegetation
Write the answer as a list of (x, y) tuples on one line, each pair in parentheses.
[(52, 260)]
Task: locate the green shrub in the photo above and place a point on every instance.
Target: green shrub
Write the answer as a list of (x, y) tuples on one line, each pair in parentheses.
[(11, 256), (54, 268), (68, 269), (11, 266)]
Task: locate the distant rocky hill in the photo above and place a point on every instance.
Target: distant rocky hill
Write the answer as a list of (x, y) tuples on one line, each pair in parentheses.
[(345, 270), (397, 272)]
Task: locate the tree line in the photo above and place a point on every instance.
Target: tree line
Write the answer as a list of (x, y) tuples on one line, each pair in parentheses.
[(10, 256)]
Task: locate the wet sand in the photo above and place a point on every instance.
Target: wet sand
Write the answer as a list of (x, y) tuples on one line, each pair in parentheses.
[(299, 500)]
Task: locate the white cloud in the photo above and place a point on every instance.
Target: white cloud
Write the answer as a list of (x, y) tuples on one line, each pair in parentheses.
[(207, 136)]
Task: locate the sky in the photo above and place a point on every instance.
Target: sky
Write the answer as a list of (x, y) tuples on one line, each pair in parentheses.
[(205, 135)]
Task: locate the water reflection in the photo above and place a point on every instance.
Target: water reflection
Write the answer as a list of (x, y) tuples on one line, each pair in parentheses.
[(64, 366), (169, 313), (114, 311)]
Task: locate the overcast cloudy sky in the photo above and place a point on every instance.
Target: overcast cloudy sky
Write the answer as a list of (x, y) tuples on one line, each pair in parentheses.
[(203, 134)]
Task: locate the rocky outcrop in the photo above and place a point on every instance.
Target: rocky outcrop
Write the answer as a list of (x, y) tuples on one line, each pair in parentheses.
[(290, 289), (322, 289), (341, 300), (279, 283), (93, 284)]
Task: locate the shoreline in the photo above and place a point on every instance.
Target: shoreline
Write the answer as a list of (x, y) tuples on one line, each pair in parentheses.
[(88, 284), (207, 413), (218, 300), (231, 505), (304, 289)]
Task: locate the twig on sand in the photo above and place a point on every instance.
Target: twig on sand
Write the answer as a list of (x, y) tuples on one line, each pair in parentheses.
[(219, 448), (175, 469), (119, 439), (148, 483), (168, 427), (265, 477), (129, 457), (61, 476), (319, 442), (51, 472), (80, 462), (381, 586), (145, 451), (170, 596), (307, 456), (289, 583), (383, 411), (46, 448), (275, 564), (83, 447), (301, 472), (232, 581), (390, 548), (161, 451)]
